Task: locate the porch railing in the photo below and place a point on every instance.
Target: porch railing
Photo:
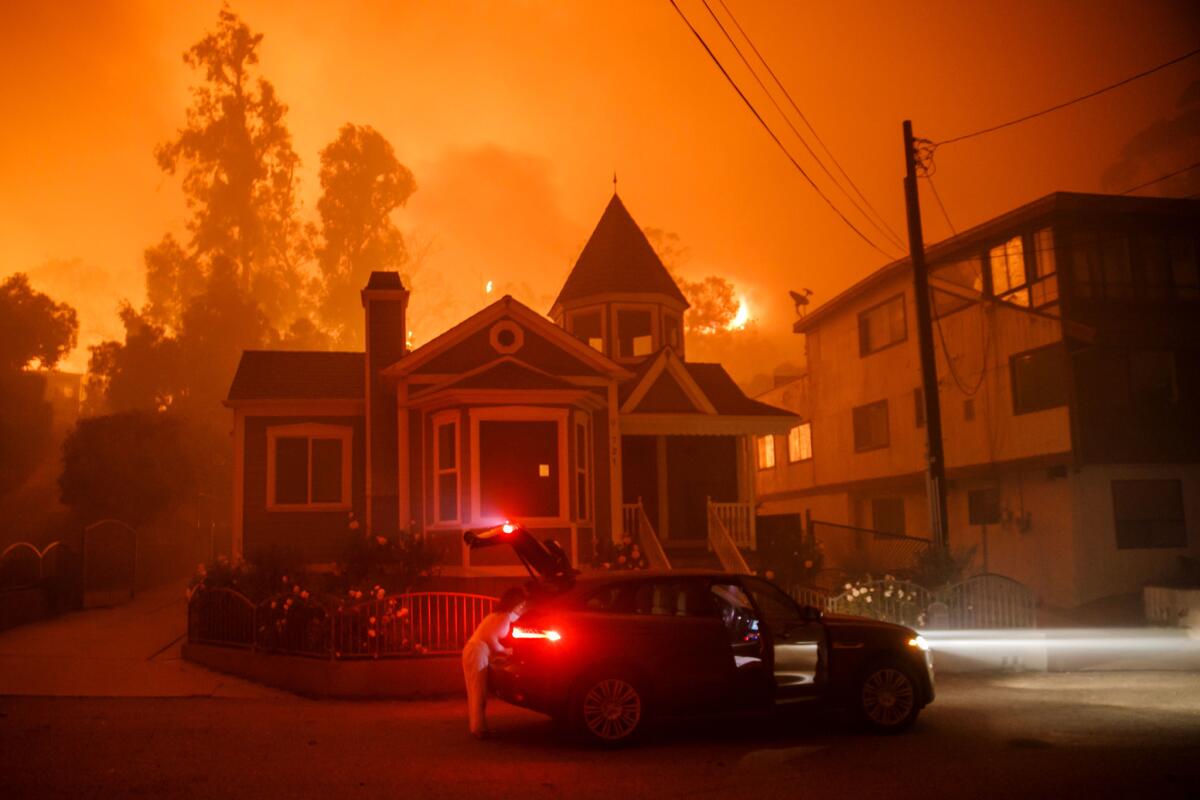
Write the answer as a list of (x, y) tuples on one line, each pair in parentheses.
[(637, 526), (722, 543), (738, 519)]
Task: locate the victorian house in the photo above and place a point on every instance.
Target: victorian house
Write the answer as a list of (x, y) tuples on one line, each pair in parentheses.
[(586, 425)]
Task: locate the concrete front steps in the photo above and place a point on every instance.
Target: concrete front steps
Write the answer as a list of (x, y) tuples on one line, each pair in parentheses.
[(691, 555)]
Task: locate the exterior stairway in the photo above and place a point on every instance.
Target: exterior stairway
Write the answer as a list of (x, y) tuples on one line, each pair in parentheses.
[(691, 555)]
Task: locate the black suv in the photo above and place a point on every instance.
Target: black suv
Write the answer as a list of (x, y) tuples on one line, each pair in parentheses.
[(608, 650)]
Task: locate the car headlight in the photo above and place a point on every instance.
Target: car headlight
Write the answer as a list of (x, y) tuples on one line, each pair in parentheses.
[(919, 642)]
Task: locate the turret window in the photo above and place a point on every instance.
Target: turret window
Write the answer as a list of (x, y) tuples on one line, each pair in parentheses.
[(635, 333), (589, 329)]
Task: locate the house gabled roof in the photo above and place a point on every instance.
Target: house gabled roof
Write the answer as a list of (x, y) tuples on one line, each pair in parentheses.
[(666, 383), (507, 306), (618, 259), (298, 375), (506, 373)]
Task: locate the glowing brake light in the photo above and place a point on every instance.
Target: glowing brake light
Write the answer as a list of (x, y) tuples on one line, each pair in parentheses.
[(508, 527), (519, 632)]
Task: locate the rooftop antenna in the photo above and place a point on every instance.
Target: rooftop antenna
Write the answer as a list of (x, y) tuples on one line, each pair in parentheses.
[(800, 298), (614, 181)]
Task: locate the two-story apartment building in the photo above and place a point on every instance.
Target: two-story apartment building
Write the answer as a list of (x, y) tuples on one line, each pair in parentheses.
[(1067, 334)]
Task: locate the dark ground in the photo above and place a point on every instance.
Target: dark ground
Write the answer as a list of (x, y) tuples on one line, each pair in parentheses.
[(1066, 735)]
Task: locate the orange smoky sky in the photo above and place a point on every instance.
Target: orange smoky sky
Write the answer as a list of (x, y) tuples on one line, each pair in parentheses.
[(514, 115)]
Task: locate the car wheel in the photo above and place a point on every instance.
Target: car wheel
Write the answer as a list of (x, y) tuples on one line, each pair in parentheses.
[(887, 697), (609, 709)]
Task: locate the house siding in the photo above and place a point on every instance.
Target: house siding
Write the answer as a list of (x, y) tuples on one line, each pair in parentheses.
[(316, 536)]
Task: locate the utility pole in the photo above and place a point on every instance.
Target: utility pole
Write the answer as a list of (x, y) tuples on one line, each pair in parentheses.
[(935, 476)]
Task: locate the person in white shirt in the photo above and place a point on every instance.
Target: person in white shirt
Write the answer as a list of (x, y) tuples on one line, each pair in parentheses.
[(484, 643)]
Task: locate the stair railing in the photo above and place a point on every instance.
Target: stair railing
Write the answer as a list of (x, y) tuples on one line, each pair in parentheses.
[(722, 543)]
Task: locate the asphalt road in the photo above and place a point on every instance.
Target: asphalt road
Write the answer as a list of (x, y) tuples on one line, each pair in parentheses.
[(1092, 735)]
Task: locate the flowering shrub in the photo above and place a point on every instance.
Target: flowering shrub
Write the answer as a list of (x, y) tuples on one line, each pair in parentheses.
[(886, 599), (626, 555)]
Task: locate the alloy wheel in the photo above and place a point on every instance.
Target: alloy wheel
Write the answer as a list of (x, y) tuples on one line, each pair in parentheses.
[(888, 698), (612, 709)]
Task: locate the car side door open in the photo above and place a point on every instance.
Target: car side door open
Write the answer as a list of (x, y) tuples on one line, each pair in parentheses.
[(796, 640)]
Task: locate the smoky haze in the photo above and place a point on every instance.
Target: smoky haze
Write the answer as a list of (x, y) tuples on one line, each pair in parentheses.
[(514, 116)]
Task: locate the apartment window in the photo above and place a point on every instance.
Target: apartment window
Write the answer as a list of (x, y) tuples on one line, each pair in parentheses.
[(983, 506), (1148, 514), (1185, 277), (634, 333), (887, 514), (800, 442), (1043, 290), (871, 426), (766, 451), (672, 331), (588, 328), (1009, 275), (446, 468), (882, 326), (919, 406), (1039, 379), (1141, 378), (582, 460), (308, 467)]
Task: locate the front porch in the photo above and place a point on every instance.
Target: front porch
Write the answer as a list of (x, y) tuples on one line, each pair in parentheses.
[(688, 500)]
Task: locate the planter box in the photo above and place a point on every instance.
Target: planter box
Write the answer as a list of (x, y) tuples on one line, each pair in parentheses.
[(1172, 607), (412, 678)]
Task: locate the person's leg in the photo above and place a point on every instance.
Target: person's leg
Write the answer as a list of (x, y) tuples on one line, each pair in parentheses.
[(479, 702), (475, 678)]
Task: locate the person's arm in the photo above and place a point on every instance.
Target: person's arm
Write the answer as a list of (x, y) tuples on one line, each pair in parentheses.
[(496, 628)]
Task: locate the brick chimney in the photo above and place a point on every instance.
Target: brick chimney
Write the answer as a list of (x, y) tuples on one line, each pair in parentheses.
[(385, 301)]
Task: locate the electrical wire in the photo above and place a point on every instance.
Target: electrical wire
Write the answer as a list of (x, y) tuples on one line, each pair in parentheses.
[(941, 205), (773, 135), (886, 229), (1072, 102), (1161, 178)]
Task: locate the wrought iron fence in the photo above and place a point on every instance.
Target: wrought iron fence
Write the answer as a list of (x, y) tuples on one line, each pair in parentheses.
[(981, 602), (419, 623)]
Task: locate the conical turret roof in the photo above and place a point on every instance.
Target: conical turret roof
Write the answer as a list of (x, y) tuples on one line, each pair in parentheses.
[(618, 258)]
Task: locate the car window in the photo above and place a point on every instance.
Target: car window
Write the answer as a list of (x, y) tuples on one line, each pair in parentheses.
[(616, 598), (737, 612), (666, 598), (777, 608)]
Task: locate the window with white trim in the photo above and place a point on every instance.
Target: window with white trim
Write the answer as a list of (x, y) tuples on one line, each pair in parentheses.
[(582, 460), (766, 451), (308, 467), (446, 468), (800, 442)]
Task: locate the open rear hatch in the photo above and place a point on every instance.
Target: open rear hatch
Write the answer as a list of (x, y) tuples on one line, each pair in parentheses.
[(546, 561)]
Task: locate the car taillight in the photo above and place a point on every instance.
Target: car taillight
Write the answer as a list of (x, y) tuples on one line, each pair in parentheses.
[(522, 632)]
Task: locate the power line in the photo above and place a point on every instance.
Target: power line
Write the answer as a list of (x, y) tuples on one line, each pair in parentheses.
[(772, 134), (1072, 102), (886, 230), (929, 177), (1161, 178)]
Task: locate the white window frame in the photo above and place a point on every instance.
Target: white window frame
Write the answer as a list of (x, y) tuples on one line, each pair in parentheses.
[(794, 438), (310, 431), (583, 312), (442, 420), (765, 446), (583, 465), (565, 473)]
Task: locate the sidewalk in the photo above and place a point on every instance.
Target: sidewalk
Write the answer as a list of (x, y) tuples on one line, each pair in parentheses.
[(131, 650)]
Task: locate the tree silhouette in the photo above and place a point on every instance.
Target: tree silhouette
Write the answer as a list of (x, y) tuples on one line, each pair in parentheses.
[(362, 183), (238, 166), (712, 301), (33, 328)]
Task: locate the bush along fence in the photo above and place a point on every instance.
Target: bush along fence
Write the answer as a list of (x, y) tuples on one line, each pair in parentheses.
[(296, 623), (982, 602)]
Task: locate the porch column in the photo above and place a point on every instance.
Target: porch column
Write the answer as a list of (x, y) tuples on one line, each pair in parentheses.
[(660, 473)]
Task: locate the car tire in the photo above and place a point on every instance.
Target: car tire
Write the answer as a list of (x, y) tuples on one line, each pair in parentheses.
[(608, 708), (887, 697)]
